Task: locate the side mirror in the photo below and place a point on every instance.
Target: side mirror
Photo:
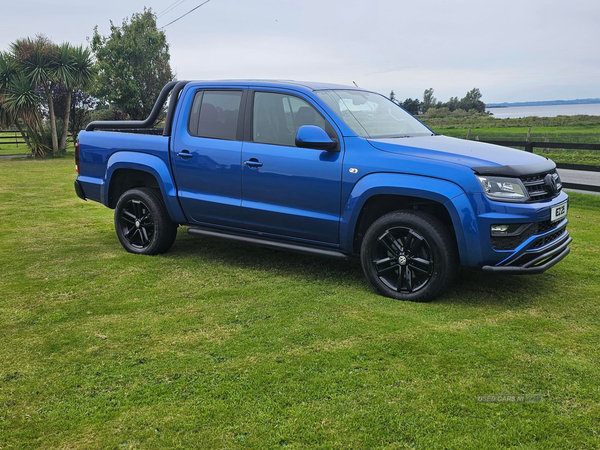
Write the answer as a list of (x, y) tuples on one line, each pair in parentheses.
[(312, 136)]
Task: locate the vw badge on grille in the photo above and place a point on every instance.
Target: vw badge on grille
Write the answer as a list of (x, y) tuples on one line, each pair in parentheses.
[(550, 183)]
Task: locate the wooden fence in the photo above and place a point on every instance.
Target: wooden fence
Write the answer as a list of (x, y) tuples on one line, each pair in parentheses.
[(11, 137), (14, 137), (529, 146)]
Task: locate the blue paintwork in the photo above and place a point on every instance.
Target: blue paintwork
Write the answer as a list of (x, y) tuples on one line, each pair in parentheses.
[(306, 194), (210, 181)]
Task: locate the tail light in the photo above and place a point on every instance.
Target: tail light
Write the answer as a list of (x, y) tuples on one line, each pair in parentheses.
[(77, 156)]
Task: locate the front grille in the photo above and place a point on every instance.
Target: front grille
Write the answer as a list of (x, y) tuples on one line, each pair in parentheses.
[(538, 189), (547, 239), (546, 225), (512, 242)]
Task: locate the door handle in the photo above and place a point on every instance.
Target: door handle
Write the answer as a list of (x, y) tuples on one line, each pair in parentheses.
[(253, 162), (185, 154)]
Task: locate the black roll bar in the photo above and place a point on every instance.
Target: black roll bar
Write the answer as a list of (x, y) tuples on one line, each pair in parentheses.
[(175, 86)]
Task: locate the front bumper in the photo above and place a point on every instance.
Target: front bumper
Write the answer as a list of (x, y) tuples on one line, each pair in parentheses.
[(534, 250), (536, 261)]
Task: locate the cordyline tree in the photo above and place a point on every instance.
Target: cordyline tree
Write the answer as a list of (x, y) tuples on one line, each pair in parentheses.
[(133, 64), (31, 74)]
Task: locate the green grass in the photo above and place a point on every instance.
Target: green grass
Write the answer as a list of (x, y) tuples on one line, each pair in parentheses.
[(539, 134), (223, 345), (14, 149), (22, 149)]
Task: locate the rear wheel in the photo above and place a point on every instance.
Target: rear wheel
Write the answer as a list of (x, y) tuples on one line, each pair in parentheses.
[(142, 222), (409, 255)]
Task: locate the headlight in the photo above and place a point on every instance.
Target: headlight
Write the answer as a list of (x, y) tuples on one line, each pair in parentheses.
[(503, 189)]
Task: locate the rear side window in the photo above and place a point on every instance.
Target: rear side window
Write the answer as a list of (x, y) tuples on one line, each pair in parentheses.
[(214, 114), (277, 118)]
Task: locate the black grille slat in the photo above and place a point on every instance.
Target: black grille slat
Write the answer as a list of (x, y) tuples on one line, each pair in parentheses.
[(512, 242), (541, 242), (536, 187), (533, 183)]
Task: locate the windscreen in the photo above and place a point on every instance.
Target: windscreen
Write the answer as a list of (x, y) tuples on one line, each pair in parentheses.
[(372, 115)]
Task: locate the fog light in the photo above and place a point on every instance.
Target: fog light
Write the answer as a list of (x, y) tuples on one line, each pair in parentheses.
[(499, 228)]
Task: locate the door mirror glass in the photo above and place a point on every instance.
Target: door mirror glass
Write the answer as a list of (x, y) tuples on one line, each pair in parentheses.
[(312, 136)]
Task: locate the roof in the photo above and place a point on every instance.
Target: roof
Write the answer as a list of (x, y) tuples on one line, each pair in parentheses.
[(309, 85)]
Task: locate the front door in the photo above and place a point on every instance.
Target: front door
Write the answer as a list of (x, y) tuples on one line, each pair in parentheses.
[(206, 157), (288, 190)]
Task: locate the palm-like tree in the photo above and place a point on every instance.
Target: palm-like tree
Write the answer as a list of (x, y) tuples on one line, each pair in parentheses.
[(18, 100), (36, 68), (38, 61), (76, 72)]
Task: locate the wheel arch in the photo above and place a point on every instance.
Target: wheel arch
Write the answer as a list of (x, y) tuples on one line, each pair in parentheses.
[(126, 170), (378, 194)]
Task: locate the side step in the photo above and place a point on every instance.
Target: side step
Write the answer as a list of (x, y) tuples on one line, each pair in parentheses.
[(266, 242)]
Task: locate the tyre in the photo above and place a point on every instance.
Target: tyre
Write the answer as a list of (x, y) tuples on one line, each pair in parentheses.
[(409, 255), (142, 222)]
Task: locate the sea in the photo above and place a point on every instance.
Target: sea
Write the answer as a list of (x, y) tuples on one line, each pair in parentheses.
[(514, 112)]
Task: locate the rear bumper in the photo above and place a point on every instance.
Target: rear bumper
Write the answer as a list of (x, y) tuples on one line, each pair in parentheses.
[(79, 190)]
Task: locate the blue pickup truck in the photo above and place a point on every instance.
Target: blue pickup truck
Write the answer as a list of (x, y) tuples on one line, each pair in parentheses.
[(329, 170)]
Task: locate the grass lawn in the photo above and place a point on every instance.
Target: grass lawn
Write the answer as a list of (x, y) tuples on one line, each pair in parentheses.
[(22, 149), (223, 345), (14, 149), (569, 134)]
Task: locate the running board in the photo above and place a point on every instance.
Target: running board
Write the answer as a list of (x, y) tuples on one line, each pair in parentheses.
[(266, 242)]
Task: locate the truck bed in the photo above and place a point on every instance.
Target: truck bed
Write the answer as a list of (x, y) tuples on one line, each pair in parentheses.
[(96, 148)]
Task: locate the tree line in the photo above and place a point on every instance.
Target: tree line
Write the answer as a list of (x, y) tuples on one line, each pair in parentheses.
[(49, 90), (468, 105)]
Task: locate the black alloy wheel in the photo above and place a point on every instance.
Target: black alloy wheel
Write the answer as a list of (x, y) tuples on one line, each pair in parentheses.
[(137, 224), (142, 222), (403, 260), (409, 255)]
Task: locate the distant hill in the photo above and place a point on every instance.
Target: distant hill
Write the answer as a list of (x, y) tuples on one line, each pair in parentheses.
[(579, 101)]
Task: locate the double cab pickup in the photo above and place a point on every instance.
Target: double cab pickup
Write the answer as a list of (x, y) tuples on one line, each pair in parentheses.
[(329, 170)]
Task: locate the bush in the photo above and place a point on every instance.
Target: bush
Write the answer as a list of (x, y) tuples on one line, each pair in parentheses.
[(108, 114)]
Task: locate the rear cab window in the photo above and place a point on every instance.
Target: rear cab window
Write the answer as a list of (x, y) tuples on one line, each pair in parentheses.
[(214, 114)]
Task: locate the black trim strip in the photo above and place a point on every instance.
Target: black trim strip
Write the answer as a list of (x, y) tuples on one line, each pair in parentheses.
[(266, 242)]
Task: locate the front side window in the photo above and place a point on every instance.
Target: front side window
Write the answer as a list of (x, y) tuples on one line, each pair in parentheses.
[(277, 118), (372, 115), (214, 114)]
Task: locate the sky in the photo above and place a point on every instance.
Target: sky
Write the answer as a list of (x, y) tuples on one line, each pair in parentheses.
[(512, 50)]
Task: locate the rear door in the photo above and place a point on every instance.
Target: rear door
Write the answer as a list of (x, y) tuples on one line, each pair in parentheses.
[(206, 155), (288, 190)]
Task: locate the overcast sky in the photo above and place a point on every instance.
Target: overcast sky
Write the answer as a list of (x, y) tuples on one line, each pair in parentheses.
[(513, 50)]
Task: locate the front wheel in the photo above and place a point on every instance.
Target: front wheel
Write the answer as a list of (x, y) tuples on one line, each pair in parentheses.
[(409, 255), (142, 222)]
